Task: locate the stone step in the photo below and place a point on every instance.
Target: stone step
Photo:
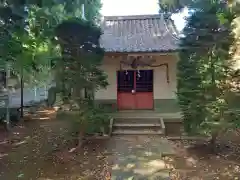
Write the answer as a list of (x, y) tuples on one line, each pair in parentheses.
[(137, 120), (137, 132), (167, 117), (136, 125), (145, 114)]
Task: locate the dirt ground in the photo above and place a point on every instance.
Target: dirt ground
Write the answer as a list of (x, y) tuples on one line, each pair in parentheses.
[(195, 161), (39, 151)]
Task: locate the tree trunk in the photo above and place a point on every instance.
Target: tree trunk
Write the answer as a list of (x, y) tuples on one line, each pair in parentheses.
[(213, 142), (81, 134), (22, 88), (80, 138)]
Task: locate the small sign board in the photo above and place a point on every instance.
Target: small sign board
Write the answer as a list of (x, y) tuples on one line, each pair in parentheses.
[(3, 101)]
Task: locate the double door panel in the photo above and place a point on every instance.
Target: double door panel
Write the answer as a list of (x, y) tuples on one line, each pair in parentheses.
[(135, 89)]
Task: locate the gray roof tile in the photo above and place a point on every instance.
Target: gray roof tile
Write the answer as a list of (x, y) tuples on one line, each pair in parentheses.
[(142, 33)]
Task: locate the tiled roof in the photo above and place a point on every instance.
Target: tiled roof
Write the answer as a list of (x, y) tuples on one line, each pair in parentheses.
[(142, 33)]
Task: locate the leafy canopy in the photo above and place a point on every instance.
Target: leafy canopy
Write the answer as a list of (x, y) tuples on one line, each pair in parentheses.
[(28, 31), (205, 69)]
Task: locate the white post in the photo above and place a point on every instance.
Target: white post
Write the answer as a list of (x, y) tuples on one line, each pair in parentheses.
[(83, 12), (8, 97), (35, 93), (45, 92)]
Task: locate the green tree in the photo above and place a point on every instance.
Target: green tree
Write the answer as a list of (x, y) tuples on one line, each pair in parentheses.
[(78, 69), (205, 70), (28, 28), (174, 6), (24, 46), (53, 32), (92, 9)]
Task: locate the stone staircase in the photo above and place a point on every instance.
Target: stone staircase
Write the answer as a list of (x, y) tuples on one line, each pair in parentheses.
[(138, 126)]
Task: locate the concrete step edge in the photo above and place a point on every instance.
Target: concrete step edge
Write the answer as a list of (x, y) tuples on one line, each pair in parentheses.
[(136, 132), (136, 125)]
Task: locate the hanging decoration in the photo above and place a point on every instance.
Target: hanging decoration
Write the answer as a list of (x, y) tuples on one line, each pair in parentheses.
[(138, 74), (147, 61), (167, 70)]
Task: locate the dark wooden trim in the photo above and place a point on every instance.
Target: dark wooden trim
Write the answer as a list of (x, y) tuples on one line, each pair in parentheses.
[(140, 52)]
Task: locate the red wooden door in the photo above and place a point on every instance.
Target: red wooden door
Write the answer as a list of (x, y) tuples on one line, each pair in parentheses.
[(135, 89), (126, 101), (125, 97)]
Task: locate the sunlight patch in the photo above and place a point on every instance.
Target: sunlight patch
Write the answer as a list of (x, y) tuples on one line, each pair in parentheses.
[(116, 167), (148, 153), (130, 166), (157, 164)]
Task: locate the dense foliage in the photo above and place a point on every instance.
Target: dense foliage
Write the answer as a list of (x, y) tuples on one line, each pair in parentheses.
[(78, 73), (205, 70), (78, 70), (46, 40), (175, 6), (28, 30), (28, 33)]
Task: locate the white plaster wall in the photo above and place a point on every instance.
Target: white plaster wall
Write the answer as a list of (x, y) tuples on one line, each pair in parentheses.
[(110, 66), (162, 89)]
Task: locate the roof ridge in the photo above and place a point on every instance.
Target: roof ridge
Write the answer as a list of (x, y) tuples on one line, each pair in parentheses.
[(175, 33), (138, 33), (132, 17)]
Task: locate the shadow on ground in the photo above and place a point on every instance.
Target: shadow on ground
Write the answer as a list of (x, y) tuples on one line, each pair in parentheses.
[(139, 157), (39, 150)]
